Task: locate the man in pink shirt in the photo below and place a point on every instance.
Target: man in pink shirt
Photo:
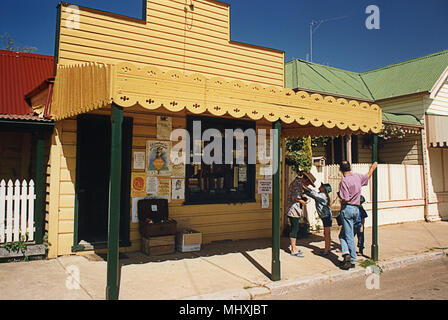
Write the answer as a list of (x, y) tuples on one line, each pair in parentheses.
[(350, 195)]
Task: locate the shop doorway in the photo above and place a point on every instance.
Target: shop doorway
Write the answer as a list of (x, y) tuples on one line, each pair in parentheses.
[(92, 180)]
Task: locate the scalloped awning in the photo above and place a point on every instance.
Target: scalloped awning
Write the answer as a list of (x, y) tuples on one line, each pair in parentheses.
[(80, 89)]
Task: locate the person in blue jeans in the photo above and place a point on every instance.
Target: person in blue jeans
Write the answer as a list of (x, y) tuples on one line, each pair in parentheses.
[(322, 202), (359, 227), (350, 195)]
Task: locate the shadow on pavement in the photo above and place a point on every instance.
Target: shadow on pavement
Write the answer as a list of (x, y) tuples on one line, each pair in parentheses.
[(245, 247)]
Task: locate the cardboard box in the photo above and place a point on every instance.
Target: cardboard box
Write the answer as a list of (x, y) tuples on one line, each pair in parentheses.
[(187, 242)]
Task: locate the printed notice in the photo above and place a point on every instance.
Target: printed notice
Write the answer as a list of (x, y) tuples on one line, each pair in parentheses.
[(139, 160), (164, 127), (264, 186), (152, 185), (178, 189)]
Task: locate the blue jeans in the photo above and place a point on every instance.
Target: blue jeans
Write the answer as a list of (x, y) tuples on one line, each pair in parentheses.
[(349, 216)]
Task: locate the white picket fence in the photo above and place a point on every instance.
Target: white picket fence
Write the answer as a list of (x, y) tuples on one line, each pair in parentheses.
[(396, 182), (16, 210)]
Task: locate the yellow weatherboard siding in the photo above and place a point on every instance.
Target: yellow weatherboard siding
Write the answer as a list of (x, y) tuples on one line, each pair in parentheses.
[(174, 36), (215, 221)]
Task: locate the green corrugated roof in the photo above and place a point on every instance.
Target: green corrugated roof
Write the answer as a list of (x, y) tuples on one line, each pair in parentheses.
[(408, 77), (315, 77)]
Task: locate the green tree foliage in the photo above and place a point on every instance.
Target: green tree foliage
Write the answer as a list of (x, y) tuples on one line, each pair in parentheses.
[(299, 153), (10, 44)]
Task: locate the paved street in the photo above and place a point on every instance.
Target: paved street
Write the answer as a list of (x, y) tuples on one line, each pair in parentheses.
[(421, 281)]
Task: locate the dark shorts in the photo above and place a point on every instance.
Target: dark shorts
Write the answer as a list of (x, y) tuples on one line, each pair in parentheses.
[(328, 221)]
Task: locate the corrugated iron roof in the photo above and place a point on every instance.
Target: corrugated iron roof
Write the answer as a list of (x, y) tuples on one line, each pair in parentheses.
[(19, 74), (26, 117), (305, 75), (407, 77)]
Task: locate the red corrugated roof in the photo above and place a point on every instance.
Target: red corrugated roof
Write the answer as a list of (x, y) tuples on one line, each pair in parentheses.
[(19, 74)]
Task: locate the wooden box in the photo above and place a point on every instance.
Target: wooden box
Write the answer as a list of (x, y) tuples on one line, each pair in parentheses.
[(153, 218), (156, 246), (190, 241), (164, 228)]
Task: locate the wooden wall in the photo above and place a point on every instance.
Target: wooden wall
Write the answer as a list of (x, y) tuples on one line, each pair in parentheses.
[(61, 173), (402, 151), (215, 221), (438, 105), (194, 41), (16, 156), (405, 105)]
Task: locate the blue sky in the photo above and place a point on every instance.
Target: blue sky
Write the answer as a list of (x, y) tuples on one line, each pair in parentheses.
[(408, 29)]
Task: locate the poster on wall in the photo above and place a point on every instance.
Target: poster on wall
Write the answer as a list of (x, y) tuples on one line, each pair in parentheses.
[(178, 170), (265, 201), (242, 174), (178, 189), (164, 189), (138, 184), (134, 217), (158, 156), (164, 127), (139, 160), (152, 185), (264, 186)]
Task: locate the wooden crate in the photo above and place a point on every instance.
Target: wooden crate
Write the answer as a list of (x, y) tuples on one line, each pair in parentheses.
[(155, 246)]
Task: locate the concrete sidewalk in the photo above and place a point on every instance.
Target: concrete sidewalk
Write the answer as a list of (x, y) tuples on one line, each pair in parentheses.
[(225, 270)]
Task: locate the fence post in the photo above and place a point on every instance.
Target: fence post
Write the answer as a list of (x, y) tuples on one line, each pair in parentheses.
[(16, 211), (31, 197), (23, 207), (9, 194)]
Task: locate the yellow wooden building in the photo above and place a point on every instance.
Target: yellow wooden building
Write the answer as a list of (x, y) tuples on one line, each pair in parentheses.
[(179, 62)]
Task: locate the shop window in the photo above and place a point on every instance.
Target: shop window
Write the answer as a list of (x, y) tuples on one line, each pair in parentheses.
[(220, 181)]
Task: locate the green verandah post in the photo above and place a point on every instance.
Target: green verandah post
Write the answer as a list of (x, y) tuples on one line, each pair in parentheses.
[(374, 252), (112, 289), (276, 204)]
